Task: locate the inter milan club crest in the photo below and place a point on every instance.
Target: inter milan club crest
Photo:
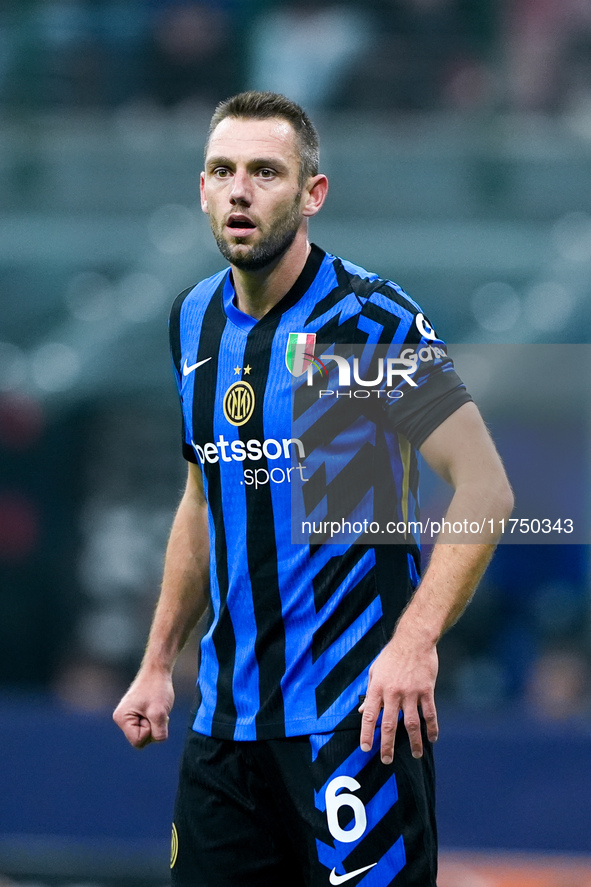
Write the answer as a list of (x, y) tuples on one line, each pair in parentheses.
[(299, 353), (239, 402)]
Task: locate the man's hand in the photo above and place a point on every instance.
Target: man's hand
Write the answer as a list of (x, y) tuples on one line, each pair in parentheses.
[(401, 679), (143, 712)]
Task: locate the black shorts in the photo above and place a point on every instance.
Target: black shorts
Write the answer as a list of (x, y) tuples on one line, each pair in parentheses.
[(309, 811)]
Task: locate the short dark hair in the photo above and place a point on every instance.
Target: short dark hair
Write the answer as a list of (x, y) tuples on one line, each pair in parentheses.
[(265, 105)]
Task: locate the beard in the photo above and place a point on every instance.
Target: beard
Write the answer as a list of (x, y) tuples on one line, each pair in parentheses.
[(270, 248)]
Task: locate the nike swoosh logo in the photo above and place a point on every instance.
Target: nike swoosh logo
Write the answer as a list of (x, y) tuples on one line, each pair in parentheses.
[(340, 879), (189, 369)]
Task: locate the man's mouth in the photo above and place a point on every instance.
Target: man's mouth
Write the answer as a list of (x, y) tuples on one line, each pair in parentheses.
[(241, 226)]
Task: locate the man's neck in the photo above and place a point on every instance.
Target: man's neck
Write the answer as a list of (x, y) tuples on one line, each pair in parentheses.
[(259, 291)]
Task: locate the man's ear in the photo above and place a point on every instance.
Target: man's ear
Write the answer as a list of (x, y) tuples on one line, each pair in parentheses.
[(315, 191), (204, 206)]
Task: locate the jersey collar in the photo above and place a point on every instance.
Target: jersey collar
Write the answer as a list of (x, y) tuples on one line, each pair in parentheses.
[(301, 286)]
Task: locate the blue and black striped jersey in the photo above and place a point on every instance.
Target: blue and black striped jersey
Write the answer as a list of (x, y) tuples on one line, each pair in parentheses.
[(294, 627)]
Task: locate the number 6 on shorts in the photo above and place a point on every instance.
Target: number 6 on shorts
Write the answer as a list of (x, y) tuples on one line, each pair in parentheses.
[(333, 804)]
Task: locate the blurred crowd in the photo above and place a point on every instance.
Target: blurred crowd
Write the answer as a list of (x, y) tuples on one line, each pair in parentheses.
[(381, 55)]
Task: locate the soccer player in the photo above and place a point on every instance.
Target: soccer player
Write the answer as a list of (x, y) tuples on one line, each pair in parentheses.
[(309, 760)]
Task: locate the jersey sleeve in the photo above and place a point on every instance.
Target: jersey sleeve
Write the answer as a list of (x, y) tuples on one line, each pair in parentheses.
[(174, 332), (429, 389)]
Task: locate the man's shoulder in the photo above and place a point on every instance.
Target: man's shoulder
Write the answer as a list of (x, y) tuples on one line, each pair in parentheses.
[(370, 289), (199, 292)]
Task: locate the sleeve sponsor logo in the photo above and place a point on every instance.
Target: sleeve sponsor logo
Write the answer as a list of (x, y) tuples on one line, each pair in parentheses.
[(424, 327)]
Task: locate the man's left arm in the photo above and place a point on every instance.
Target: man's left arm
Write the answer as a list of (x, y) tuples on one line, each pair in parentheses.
[(402, 678)]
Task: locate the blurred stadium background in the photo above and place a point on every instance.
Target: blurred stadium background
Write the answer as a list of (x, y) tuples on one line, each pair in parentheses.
[(457, 136)]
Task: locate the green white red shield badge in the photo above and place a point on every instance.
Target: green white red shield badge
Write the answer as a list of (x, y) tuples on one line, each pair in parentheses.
[(299, 353)]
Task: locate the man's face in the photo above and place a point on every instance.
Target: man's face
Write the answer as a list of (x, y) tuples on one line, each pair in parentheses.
[(251, 191)]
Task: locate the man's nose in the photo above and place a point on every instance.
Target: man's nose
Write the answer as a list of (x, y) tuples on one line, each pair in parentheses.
[(241, 188)]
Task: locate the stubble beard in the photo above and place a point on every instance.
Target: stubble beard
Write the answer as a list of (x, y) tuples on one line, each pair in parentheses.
[(269, 249)]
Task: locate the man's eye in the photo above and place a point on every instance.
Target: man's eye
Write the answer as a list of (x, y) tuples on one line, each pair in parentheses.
[(266, 173), (221, 172)]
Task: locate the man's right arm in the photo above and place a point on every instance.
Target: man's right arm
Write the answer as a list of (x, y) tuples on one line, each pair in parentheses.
[(143, 712)]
